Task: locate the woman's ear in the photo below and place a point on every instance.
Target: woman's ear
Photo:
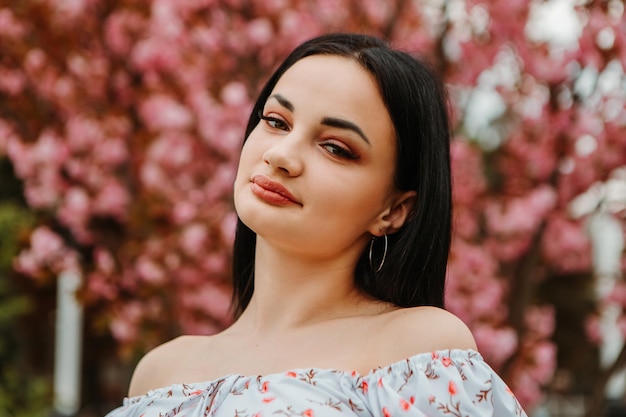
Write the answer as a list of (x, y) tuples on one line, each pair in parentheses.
[(393, 218)]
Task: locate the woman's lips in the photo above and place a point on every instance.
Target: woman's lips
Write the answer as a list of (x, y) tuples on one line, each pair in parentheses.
[(271, 191)]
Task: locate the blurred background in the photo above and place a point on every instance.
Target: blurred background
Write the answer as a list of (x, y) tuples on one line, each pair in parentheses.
[(120, 128)]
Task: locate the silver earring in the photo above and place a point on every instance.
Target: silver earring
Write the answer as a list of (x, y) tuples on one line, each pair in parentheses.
[(382, 262)]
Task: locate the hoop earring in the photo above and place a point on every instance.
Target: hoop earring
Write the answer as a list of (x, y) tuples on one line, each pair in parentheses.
[(384, 254)]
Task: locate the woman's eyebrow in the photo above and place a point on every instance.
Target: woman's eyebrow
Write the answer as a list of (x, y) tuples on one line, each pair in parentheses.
[(283, 101), (345, 124), (327, 121)]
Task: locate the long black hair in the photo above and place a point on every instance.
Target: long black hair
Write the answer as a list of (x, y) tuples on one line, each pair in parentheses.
[(414, 271)]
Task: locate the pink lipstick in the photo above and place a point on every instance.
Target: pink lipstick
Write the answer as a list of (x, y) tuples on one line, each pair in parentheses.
[(271, 191)]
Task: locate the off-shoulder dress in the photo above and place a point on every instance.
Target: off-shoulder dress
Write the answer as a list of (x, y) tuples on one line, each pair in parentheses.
[(450, 383)]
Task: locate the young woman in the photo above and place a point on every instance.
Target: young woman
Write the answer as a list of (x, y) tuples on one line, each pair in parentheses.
[(344, 200)]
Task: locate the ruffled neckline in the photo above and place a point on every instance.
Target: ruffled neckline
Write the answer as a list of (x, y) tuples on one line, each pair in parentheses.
[(417, 360)]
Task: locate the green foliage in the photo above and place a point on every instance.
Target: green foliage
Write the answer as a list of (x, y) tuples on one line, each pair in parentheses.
[(22, 395), (22, 392)]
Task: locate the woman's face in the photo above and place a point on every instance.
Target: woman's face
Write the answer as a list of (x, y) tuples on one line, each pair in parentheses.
[(316, 174)]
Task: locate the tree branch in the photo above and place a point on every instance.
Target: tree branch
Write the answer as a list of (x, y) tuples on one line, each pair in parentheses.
[(597, 399)]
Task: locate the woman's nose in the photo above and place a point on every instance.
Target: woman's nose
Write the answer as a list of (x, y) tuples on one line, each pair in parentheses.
[(285, 156)]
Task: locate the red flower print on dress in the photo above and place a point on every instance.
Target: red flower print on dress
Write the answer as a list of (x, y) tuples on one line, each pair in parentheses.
[(446, 386), (452, 388), (404, 404), (364, 387)]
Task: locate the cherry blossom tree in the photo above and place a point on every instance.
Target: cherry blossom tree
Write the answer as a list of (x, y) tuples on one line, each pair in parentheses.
[(124, 121)]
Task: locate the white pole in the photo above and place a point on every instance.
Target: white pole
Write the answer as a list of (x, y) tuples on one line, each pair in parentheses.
[(68, 345), (607, 245)]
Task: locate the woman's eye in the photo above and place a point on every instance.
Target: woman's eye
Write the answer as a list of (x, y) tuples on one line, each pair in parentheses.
[(339, 151), (274, 122)]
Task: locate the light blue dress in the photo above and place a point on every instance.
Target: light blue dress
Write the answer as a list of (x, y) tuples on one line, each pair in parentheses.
[(455, 383)]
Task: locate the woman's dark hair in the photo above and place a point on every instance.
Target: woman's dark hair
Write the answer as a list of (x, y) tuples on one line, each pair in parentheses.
[(414, 271)]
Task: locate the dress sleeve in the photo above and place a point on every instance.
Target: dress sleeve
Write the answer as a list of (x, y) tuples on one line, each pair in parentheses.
[(454, 383)]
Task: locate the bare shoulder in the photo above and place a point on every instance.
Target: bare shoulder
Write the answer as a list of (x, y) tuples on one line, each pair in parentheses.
[(427, 329), (158, 368)]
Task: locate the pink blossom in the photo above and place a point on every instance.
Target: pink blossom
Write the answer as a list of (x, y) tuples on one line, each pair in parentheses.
[(104, 260), (183, 212), (26, 263), (593, 329), (187, 276), (20, 156), (296, 27), (35, 60), (45, 244), (234, 94), (152, 176), (118, 30), (44, 190), (509, 248), (155, 54), (541, 321), (566, 246), (377, 11), (228, 227), (63, 89), (166, 22), (520, 215), (193, 239), (160, 112), (47, 252), (496, 344), (49, 149), (149, 270), (212, 299), (10, 26), (260, 31), (227, 140), (544, 355), (618, 294), (11, 82), (75, 208), (82, 133), (465, 223), (214, 263), (111, 151), (123, 329), (171, 150), (112, 199), (467, 172), (526, 389), (70, 9), (221, 182), (102, 286)]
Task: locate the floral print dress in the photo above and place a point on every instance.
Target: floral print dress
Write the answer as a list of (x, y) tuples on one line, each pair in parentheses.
[(455, 383)]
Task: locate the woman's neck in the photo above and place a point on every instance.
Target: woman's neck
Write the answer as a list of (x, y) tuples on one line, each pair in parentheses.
[(294, 291)]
